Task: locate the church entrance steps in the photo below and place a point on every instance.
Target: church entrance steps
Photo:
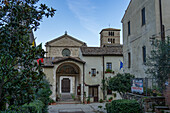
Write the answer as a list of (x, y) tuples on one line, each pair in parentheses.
[(66, 98), (68, 102)]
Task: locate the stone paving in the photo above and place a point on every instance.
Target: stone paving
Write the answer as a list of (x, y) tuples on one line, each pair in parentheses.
[(77, 108)]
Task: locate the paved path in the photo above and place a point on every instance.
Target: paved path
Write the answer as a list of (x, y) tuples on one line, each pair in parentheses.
[(77, 108)]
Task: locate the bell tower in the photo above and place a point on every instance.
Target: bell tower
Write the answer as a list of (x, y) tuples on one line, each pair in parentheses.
[(109, 37)]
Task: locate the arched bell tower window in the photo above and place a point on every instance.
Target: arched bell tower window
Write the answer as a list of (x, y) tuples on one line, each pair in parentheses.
[(111, 33)]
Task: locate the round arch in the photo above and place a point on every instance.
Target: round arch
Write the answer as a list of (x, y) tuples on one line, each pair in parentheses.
[(68, 78), (68, 68)]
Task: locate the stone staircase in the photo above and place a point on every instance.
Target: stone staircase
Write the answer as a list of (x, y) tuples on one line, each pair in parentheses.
[(67, 99)]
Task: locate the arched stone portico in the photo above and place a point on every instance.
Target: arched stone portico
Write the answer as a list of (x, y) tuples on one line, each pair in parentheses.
[(70, 70), (67, 78)]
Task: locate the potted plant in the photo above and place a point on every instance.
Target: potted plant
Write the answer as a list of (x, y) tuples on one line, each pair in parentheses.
[(100, 100), (109, 71), (73, 96), (110, 99), (88, 100), (51, 102)]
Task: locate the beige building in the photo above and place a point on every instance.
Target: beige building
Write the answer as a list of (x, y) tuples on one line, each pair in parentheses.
[(142, 23), (73, 68)]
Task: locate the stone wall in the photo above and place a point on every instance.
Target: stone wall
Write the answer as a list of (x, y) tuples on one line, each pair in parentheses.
[(57, 51), (140, 34)]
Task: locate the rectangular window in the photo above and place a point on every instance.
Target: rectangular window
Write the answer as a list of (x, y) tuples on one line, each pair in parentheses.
[(129, 60), (144, 54), (93, 91), (93, 72), (109, 65), (143, 16), (129, 28)]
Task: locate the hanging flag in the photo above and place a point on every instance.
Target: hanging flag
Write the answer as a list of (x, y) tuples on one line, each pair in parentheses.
[(33, 43), (40, 60), (121, 65)]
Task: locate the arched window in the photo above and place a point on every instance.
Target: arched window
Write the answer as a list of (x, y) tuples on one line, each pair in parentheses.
[(66, 52), (112, 33), (109, 40), (113, 40)]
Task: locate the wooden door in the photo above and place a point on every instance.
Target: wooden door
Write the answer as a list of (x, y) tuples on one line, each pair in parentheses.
[(93, 92), (65, 85)]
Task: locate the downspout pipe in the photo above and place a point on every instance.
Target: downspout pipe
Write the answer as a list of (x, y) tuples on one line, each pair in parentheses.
[(83, 82), (161, 23), (103, 75)]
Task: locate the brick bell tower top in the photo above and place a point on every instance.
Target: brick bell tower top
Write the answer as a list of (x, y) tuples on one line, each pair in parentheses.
[(109, 37)]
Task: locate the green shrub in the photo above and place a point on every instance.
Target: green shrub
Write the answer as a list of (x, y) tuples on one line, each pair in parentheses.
[(73, 96), (123, 106), (110, 98), (88, 99), (51, 100), (43, 95), (109, 70), (33, 107), (100, 100), (108, 107)]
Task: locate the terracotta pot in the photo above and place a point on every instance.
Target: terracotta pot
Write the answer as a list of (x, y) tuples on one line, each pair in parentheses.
[(110, 100), (53, 103)]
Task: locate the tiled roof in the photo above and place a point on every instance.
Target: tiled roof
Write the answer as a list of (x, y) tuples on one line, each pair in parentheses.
[(116, 50), (68, 58), (49, 61)]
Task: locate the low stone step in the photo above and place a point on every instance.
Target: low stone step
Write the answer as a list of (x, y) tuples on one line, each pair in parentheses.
[(68, 102)]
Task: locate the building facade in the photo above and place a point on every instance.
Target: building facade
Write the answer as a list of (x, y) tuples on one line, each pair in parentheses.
[(73, 68), (143, 21)]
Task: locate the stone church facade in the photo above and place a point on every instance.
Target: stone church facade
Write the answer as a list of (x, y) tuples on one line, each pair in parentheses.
[(74, 68)]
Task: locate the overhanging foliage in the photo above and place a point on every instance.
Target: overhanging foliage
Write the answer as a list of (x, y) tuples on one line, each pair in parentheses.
[(20, 76), (158, 62), (120, 83)]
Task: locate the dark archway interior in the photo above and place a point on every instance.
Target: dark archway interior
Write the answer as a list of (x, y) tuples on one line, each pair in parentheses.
[(68, 69)]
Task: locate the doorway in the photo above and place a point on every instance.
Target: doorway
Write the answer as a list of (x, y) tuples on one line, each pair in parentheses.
[(65, 85), (93, 92)]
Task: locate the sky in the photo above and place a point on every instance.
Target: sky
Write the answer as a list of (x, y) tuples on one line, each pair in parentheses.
[(82, 19)]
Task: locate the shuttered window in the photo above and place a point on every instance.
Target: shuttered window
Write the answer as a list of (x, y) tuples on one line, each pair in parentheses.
[(144, 54), (143, 17), (129, 28)]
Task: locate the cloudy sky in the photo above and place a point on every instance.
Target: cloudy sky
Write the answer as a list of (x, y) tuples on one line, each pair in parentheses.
[(82, 19)]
